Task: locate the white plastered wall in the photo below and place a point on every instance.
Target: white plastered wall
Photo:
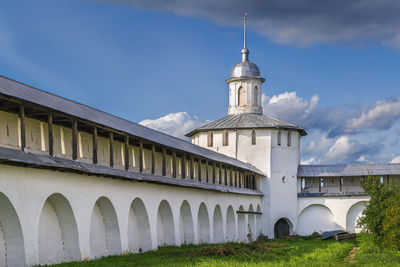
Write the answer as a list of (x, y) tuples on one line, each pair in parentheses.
[(28, 189)]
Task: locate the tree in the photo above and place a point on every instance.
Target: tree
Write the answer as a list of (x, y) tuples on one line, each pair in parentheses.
[(382, 214)]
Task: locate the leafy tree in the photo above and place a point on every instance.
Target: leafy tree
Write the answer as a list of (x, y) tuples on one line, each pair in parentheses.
[(382, 214)]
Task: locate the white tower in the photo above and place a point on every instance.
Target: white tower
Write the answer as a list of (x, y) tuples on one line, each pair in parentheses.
[(245, 84), (271, 145)]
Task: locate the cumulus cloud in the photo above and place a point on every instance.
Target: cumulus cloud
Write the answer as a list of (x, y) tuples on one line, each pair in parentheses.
[(176, 124), (395, 160), (302, 112), (351, 143), (381, 116), (294, 22), (346, 150)]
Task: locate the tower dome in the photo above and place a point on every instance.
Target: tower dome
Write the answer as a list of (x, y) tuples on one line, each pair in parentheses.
[(245, 84)]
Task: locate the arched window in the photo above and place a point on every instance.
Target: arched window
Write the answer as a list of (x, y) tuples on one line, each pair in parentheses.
[(279, 138), (255, 96), (241, 97), (210, 139), (253, 137), (225, 138), (289, 138)]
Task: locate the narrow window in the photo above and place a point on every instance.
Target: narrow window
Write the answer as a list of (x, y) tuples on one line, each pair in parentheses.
[(279, 138), (210, 139), (241, 96), (225, 138), (253, 137), (289, 139), (255, 97), (8, 131)]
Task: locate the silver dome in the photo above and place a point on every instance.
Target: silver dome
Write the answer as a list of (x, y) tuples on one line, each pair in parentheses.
[(245, 69)]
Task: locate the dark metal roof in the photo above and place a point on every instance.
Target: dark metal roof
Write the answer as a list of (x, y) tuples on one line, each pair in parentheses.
[(25, 92), (247, 121), (20, 158), (348, 170)]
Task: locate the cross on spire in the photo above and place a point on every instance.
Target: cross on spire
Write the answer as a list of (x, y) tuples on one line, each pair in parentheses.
[(245, 51)]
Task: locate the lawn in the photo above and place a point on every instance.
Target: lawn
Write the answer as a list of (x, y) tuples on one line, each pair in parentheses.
[(283, 252)]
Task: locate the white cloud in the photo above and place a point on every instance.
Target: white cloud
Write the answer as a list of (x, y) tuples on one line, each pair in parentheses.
[(381, 116), (395, 160), (176, 124), (351, 150), (289, 107)]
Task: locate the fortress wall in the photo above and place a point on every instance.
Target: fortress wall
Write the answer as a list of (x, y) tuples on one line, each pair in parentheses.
[(78, 217)]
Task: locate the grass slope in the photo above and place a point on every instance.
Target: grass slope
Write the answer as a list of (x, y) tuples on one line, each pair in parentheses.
[(284, 252)]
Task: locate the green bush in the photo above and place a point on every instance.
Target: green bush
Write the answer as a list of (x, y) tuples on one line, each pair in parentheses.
[(382, 214)]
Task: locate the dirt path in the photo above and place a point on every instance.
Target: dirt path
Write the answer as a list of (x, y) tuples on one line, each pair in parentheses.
[(352, 254)]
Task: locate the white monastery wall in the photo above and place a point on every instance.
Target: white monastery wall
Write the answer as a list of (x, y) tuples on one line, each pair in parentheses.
[(319, 214), (69, 216)]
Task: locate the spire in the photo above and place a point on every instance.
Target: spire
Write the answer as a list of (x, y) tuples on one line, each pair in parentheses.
[(245, 51)]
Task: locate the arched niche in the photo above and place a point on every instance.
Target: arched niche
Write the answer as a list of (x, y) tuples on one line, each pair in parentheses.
[(353, 214), (241, 225), (186, 224), (12, 251), (218, 228), (203, 224), (139, 235), (315, 218), (230, 224), (165, 225), (104, 230), (251, 223), (258, 222), (58, 232)]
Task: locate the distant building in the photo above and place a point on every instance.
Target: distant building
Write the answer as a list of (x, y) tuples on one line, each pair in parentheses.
[(77, 183)]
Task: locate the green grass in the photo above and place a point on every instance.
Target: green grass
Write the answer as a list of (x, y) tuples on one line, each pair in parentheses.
[(284, 252)]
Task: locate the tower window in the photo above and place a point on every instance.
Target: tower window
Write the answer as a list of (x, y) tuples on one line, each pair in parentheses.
[(279, 138), (255, 97), (253, 137), (210, 139), (225, 138), (289, 138), (241, 97)]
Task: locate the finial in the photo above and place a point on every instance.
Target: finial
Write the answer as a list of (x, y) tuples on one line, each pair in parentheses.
[(245, 51)]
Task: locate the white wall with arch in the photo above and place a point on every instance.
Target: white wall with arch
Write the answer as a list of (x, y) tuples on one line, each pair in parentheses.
[(329, 213), (80, 217)]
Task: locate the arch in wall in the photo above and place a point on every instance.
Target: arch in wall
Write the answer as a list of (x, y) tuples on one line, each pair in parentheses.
[(241, 97), (58, 232), (283, 227), (218, 226), (203, 224), (230, 224), (251, 224), (258, 222), (315, 218), (241, 225), (139, 234), (104, 230), (353, 214), (12, 251), (186, 224), (165, 225)]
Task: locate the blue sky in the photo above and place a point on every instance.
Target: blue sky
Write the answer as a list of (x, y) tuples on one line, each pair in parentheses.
[(168, 64)]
